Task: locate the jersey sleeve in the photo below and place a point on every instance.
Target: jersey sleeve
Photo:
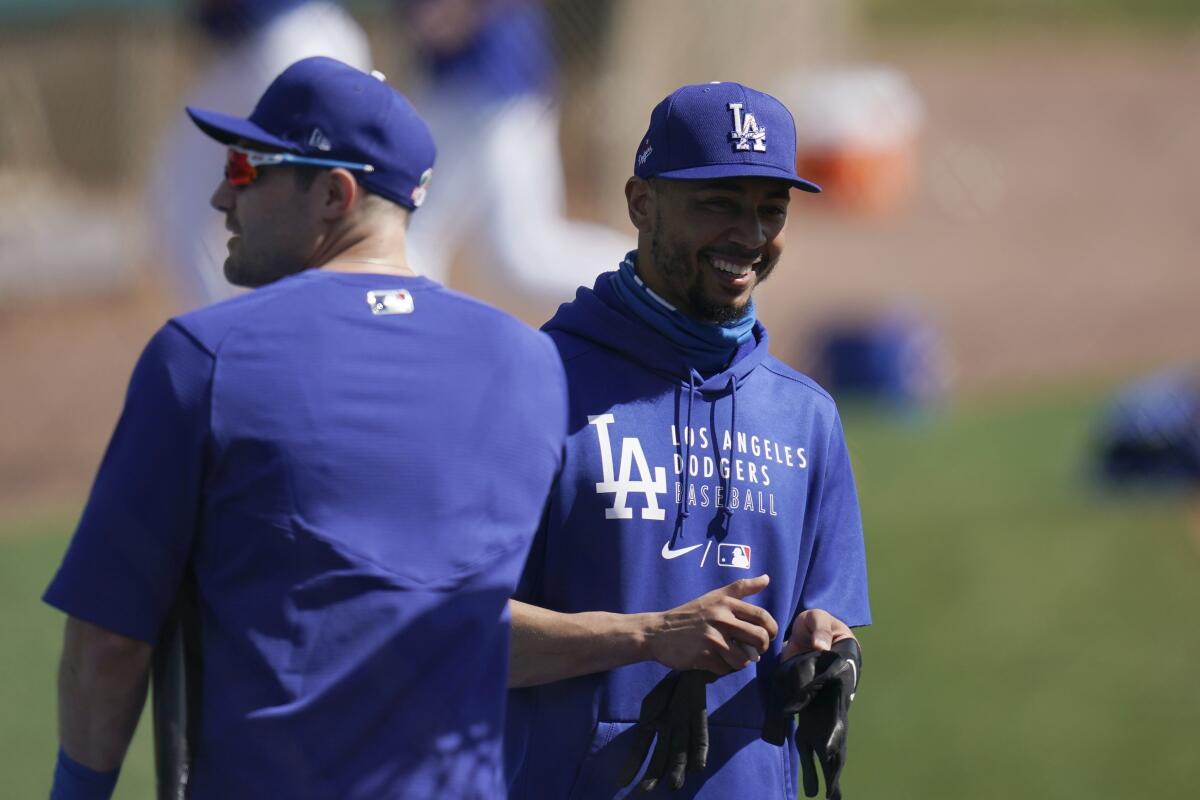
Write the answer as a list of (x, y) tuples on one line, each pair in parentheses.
[(125, 562), (555, 384), (837, 572)]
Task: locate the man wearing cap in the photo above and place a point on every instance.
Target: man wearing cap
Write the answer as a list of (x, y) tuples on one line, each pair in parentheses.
[(347, 463), (701, 559)]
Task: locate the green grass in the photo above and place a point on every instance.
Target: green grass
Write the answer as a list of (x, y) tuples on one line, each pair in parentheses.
[(1033, 637), (29, 554), (1060, 15)]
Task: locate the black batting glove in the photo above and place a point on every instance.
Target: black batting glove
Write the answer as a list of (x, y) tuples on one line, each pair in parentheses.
[(818, 686), (675, 712)]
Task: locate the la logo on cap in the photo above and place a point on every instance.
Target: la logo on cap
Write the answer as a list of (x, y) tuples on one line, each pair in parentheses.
[(746, 130)]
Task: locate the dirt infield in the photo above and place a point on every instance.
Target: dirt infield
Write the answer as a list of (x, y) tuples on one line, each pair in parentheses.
[(1053, 234)]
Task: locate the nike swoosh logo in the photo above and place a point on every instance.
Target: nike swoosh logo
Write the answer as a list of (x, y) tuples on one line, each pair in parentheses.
[(668, 553)]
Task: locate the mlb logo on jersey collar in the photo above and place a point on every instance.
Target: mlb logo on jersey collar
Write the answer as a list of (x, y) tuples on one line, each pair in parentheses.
[(390, 301)]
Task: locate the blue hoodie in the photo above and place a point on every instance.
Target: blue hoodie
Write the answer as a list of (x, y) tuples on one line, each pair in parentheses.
[(673, 485)]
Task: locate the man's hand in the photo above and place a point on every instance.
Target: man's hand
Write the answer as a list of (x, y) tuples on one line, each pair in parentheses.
[(819, 685), (675, 712), (814, 629), (718, 632)]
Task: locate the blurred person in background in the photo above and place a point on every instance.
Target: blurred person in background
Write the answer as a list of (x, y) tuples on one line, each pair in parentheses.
[(348, 464), (487, 83), (489, 98), (703, 548), (254, 41)]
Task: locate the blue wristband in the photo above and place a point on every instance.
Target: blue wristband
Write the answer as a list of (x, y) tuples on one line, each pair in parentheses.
[(74, 781)]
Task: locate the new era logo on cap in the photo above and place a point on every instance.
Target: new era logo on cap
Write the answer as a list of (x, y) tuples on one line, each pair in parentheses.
[(319, 140), (720, 130)]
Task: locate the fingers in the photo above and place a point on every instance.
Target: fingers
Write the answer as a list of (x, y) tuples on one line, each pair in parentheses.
[(737, 654), (717, 631), (745, 623), (756, 616), (789, 650), (654, 705), (746, 586), (732, 642), (750, 652), (677, 760), (809, 770), (831, 767), (820, 630), (816, 629), (688, 747), (658, 761), (698, 755)]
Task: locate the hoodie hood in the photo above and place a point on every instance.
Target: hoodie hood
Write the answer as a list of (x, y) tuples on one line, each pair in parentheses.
[(599, 316)]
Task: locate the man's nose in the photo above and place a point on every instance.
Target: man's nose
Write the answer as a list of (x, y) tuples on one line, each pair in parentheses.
[(748, 231), (223, 197)]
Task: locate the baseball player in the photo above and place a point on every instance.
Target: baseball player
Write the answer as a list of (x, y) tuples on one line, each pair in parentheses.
[(349, 463), (701, 560), (501, 197)]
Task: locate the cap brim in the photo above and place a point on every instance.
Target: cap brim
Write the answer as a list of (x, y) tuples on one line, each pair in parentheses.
[(228, 129), (715, 171)]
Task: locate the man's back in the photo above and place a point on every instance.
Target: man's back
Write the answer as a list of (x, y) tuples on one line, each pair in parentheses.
[(360, 461)]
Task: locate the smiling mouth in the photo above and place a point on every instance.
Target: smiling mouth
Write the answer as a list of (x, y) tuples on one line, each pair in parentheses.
[(739, 268)]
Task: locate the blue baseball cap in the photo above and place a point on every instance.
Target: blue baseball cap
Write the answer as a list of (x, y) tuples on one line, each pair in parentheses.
[(720, 130), (322, 108)]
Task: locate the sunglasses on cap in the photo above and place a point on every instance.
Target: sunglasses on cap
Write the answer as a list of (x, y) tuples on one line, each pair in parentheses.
[(241, 164)]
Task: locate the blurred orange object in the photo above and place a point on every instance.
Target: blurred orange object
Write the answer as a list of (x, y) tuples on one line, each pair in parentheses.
[(856, 136), (867, 181)]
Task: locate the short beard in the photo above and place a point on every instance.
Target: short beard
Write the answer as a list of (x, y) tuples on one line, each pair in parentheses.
[(673, 261), (253, 279), (713, 313)]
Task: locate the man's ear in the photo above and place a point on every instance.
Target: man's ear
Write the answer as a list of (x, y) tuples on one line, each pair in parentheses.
[(339, 193), (640, 197)]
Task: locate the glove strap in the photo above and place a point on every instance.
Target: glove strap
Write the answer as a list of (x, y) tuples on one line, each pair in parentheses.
[(849, 650)]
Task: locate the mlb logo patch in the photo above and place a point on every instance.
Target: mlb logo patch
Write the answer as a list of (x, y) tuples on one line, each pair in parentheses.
[(390, 301), (733, 555)]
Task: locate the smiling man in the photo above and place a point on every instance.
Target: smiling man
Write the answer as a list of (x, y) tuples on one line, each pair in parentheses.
[(703, 544)]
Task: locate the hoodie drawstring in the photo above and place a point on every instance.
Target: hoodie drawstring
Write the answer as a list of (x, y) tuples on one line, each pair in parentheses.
[(728, 509), (683, 499)]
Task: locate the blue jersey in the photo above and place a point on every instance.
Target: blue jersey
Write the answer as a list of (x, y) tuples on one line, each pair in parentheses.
[(674, 485), (508, 55), (353, 468)]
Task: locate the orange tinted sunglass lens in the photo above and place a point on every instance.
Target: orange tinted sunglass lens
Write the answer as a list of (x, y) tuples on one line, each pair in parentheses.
[(238, 169)]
